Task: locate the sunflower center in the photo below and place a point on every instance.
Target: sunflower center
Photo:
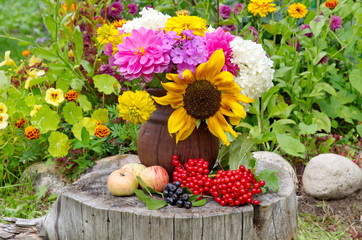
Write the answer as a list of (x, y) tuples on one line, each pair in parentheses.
[(202, 99)]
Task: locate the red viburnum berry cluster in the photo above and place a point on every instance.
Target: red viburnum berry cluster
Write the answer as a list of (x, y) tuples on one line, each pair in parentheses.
[(194, 175), (235, 187), (230, 187)]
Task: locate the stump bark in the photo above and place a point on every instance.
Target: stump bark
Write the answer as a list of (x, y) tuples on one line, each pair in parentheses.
[(86, 210)]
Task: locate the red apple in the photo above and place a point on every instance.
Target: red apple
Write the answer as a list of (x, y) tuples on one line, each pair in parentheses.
[(122, 183), (155, 177), (135, 168)]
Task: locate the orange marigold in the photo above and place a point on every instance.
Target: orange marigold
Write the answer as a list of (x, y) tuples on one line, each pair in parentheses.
[(20, 123), (25, 53), (71, 96), (331, 4), (102, 131), (32, 133)]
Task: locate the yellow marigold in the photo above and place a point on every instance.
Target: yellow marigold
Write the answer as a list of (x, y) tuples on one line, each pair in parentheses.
[(35, 110), (331, 4), (20, 123), (32, 133), (54, 96), (182, 12), (106, 33), (102, 131), (25, 53), (135, 107), (180, 23), (3, 108), (297, 10), (117, 40), (68, 9), (119, 23), (71, 96), (261, 7)]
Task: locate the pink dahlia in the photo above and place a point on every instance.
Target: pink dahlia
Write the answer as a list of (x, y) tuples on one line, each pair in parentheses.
[(142, 54), (220, 39)]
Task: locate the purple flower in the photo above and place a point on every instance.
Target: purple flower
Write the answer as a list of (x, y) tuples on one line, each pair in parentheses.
[(336, 23), (306, 26), (228, 28), (238, 7), (225, 11), (132, 8), (142, 54), (221, 40), (323, 60), (115, 9), (108, 69), (177, 55)]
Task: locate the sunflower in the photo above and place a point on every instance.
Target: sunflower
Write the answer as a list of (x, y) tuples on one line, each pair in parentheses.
[(208, 95), (297, 10)]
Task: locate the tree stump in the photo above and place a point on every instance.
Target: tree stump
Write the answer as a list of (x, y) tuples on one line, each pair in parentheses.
[(86, 210)]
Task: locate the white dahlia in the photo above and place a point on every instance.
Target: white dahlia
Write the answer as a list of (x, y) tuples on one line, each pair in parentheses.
[(150, 19), (256, 72)]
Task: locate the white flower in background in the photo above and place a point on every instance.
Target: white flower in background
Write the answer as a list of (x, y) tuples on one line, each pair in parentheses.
[(35, 110), (256, 73), (3, 108), (151, 19), (3, 120)]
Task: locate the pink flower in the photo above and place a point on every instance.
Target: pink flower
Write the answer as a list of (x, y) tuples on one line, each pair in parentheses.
[(221, 40), (336, 23), (142, 54), (225, 11)]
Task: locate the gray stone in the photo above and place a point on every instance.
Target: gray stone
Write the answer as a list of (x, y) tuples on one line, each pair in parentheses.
[(331, 176), (45, 175), (274, 158)]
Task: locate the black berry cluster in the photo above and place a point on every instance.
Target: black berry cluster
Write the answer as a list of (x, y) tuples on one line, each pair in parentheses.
[(175, 195)]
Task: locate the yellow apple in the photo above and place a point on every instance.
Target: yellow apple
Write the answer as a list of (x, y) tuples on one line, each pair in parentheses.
[(121, 183), (135, 168)]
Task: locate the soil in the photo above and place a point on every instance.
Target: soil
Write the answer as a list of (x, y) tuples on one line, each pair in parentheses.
[(331, 213)]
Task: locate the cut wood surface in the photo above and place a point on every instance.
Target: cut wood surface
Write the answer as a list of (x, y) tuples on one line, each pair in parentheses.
[(86, 210)]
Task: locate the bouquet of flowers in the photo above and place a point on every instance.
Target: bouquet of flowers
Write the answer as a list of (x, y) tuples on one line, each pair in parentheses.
[(209, 74)]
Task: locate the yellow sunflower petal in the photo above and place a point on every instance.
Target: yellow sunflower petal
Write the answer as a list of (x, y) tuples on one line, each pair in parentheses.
[(173, 87), (170, 98), (174, 77), (215, 129), (223, 78), (236, 107), (234, 120), (188, 76), (224, 124), (177, 120), (207, 70), (187, 129)]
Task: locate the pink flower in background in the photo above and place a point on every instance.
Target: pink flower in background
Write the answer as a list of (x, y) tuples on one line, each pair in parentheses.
[(142, 54), (238, 8), (306, 26), (115, 9), (336, 23), (225, 11), (220, 39)]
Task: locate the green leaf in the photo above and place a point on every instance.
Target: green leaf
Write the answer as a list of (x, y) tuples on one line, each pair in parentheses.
[(4, 85), (240, 152), (85, 136), (89, 123), (199, 203), (316, 26), (51, 26), (78, 41), (142, 196), (58, 144), (355, 77), (305, 129), (270, 178), (77, 84), (101, 115), (72, 113), (141, 182), (107, 84), (322, 120), (46, 119), (291, 145), (359, 130), (84, 103), (154, 204), (46, 54)]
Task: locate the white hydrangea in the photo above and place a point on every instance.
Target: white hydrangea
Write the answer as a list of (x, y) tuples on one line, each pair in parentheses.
[(150, 19), (256, 72)]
